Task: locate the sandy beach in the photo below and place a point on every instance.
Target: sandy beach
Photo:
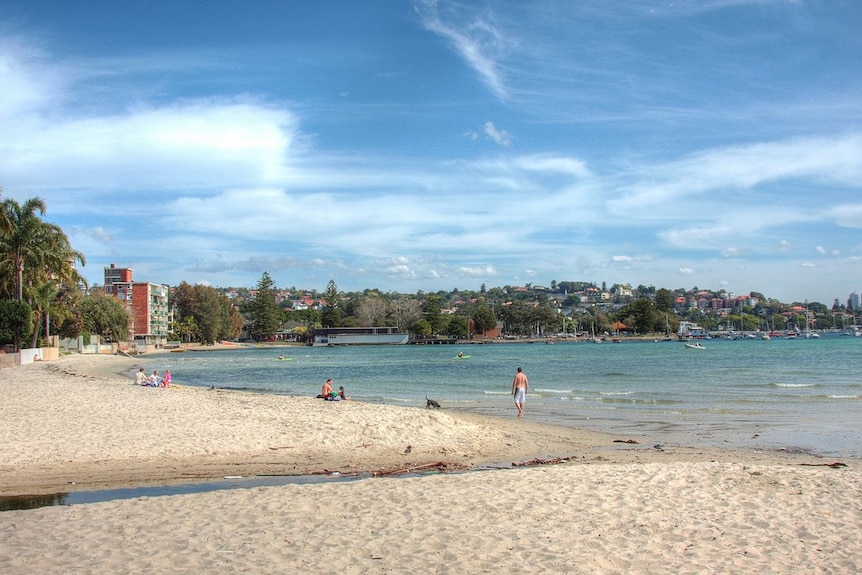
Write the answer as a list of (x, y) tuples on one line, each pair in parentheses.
[(611, 506)]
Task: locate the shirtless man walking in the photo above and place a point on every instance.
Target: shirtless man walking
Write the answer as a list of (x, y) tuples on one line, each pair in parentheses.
[(519, 390)]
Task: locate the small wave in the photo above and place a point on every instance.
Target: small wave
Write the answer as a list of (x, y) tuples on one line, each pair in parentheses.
[(609, 393), (792, 385), (559, 391), (824, 397)]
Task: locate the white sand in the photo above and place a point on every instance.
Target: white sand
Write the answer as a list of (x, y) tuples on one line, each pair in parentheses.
[(615, 509)]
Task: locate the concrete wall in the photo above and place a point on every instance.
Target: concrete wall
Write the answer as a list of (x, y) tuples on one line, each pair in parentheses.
[(25, 356)]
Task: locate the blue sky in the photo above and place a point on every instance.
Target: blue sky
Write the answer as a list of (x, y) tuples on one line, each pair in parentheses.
[(434, 145)]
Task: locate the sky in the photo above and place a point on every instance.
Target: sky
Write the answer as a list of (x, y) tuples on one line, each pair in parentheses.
[(431, 145)]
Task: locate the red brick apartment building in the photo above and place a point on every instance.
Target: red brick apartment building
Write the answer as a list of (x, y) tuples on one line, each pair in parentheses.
[(146, 302)]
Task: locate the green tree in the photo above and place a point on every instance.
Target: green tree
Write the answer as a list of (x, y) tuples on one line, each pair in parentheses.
[(664, 300), (457, 326), (36, 260), (421, 327), (210, 316), (541, 317), (640, 315), (332, 302), (28, 243), (105, 316), (202, 312), (433, 315), (42, 297), (187, 329), (16, 318), (20, 225), (264, 313), (184, 301), (483, 318)]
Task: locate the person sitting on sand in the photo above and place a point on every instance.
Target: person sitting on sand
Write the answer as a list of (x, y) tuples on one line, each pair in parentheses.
[(153, 380), (326, 390), (141, 377), (166, 380), (341, 394)]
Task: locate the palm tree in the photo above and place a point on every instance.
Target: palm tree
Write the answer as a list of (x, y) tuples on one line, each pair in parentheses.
[(34, 254), (29, 243), (6, 227), (42, 298), (21, 223)]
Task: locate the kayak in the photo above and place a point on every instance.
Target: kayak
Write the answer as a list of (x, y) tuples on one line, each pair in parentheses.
[(462, 357)]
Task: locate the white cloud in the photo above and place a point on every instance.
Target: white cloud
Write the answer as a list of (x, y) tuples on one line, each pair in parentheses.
[(401, 272), (552, 164), (501, 137), (196, 144), (700, 237), (822, 159), (486, 271), (476, 39)]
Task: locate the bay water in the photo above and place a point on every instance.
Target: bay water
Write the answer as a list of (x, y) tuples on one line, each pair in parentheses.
[(802, 395)]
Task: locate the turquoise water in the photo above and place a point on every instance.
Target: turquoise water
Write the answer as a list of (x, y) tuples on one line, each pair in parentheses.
[(799, 395)]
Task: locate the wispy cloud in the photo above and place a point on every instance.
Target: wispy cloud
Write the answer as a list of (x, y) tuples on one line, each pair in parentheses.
[(473, 37)]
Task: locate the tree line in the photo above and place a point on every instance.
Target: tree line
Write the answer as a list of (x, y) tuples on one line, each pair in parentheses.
[(41, 295)]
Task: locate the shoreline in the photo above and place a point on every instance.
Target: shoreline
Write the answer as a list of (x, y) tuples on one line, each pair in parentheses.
[(185, 448), (73, 425)]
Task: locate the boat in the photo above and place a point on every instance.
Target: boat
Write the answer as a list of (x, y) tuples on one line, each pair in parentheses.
[(334, 336), (695, 345), (462, 357), (594, 338), (809, 333), (666, 329)]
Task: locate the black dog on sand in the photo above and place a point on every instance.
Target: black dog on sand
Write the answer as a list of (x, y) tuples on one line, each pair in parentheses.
[(429, 403)]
